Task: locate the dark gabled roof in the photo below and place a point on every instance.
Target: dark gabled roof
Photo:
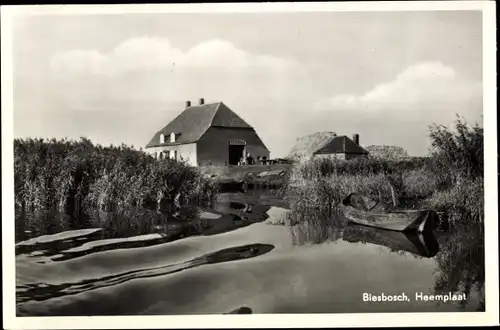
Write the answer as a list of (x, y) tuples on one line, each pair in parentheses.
[(194, 121), (341, 144), (225, 117)]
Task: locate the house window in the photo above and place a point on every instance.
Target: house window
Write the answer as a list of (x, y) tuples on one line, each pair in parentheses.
[(161, 155), (172, 137), (162, 138), (175, 154), (167, 153)]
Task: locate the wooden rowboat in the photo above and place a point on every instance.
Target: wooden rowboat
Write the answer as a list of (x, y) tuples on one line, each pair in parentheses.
[(361, 210)]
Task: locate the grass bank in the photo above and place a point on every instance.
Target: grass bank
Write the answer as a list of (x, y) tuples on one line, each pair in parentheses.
[(69, 175), (274, 176)]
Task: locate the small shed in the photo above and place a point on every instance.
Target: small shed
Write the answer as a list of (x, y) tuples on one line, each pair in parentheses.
[(342, 147)]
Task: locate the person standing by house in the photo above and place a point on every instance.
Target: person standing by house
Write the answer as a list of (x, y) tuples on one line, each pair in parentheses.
[(249, 159)]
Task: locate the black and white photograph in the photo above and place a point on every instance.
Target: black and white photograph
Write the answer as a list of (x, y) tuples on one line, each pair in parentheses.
[(322, 159)]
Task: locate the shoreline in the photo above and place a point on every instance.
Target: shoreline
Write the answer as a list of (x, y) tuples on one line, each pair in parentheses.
[(235, 178)]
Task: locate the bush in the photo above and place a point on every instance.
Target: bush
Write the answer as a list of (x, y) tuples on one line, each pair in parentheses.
[(457, 153)]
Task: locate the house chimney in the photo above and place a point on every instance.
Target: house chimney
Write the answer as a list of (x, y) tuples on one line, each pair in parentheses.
[(355, 138), (188, 104), (202, 101)]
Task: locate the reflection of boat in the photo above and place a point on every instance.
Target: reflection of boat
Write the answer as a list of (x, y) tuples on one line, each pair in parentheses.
[(422, 244), (364, 211)]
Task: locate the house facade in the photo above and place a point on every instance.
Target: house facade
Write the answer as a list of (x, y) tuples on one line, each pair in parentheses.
[(327, 145), (207, 134), (341, 147)]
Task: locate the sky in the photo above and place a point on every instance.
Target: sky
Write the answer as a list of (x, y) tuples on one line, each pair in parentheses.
[(120, 78)]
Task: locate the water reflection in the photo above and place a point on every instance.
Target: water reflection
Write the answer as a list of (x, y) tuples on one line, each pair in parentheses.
[(312, 226), (461, 262), (424, 245), (53, 237), (315, 227), (128, 229), (43, 291), (63, 236), (459, 254), (33, 224)]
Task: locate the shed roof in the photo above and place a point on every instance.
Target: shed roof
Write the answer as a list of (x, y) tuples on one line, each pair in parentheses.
[(308, 144), (341, 144), (194, 121)]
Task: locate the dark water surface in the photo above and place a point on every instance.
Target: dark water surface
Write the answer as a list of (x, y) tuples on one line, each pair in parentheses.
[(246, 254)]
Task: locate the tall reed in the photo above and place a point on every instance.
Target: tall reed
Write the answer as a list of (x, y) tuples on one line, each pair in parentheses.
[(324, 183), (67, 175)]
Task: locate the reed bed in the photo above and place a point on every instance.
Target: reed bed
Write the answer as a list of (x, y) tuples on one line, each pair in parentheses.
[(68, 175)]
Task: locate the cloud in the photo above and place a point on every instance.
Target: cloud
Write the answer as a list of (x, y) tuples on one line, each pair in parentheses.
[(149, 68), (427, 84), (400, 111), (152, 53)]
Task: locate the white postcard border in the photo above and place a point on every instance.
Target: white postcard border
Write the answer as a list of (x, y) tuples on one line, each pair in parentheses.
[(490, 317)]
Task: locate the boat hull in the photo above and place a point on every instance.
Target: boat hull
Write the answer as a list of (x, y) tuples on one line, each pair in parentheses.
[(418, 221)]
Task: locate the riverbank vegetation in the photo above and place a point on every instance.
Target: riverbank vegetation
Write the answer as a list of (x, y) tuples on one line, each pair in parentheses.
[(450, 179), (253, 176), (69, 175)]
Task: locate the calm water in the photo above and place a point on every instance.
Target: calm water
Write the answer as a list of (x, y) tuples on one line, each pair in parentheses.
[(245, 254)]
